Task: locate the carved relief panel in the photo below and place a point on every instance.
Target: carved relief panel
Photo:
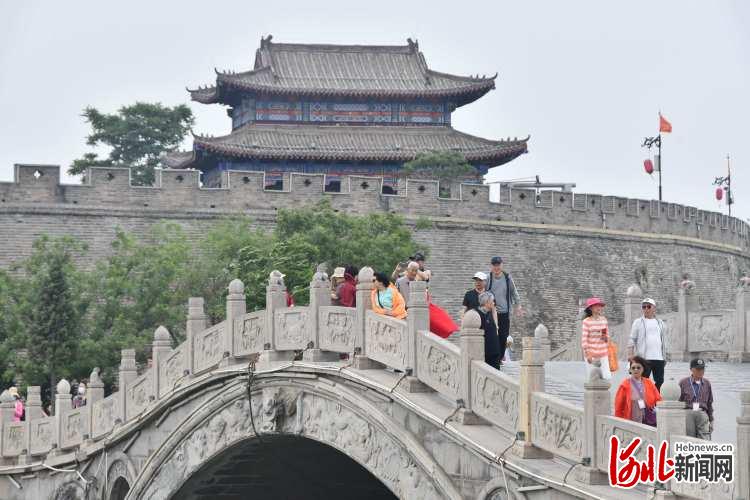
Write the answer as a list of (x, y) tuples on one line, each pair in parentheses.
[(249, 333), (14, 438), (710, 332), (438, 366), (606, 427), (104, 414), (172, 369), (75, 425), (494, 397), (386, 340), (291, 329), (138, 395), (42, 434), (336, 328), (557, 427), (209, 347)]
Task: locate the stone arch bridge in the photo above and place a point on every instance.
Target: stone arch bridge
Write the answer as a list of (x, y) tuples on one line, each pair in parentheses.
[(231, 414)]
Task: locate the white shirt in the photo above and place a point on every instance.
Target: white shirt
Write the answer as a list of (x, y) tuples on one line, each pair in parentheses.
[(653, 339)]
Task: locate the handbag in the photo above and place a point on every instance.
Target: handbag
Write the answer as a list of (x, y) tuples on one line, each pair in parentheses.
[(649, 416), (612, 355)]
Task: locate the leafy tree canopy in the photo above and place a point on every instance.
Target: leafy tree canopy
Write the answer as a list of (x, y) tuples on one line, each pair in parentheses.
[(137, 136), (441, 165)]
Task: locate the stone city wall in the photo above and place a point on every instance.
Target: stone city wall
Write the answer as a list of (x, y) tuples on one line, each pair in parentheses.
[(560, 248)]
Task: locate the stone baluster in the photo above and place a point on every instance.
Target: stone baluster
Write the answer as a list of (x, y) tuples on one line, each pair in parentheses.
[(7, 406), (63, 405), (160, 349), (596, 401), (275, 299), (196, 323), (742, 459), (417, 320), (236, 309), (531, 381), (364, 303), (127, 373), (541, 333), (631, 312), (741, 348), (671, 416), (320, 296), (34, 402), (94, 393), (686, 304), (471, 342)]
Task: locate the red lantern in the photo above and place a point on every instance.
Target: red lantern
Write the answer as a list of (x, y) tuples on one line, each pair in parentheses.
[(719, 193), (648, 165)]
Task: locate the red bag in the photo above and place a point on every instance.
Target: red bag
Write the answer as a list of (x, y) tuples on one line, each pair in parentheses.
[(441, 324)]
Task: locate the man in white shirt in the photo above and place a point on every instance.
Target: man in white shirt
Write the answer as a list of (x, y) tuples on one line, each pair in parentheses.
[(647, 340)]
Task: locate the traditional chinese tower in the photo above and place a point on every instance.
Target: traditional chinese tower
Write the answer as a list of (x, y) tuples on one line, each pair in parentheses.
[(339, 109)]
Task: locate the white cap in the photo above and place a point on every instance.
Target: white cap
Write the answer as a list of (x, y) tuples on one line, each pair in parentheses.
[(649, 300), (480, 275), (338, 272)]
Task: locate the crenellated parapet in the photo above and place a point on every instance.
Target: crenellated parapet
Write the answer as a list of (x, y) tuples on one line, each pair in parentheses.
[(37, 187)]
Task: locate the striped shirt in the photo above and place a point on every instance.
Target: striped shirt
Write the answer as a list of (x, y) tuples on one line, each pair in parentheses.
[(594, 338)]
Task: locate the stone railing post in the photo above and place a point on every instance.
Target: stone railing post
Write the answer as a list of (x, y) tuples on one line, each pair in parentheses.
[(364, 303), (161, 347), (742, 459), (631, 311), (417, 320), (741, 351), (471, 343), (541, 333), (236, 308), (128, 372), (94, 393), (7, 406), (687, 303), (596, 401), (671, 416), (196, 323), (531, 381), (63, 405), (320, 296), (275, 299), (34, 402)]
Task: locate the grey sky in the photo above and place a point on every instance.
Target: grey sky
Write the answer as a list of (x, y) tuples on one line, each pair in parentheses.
[(584, 78)]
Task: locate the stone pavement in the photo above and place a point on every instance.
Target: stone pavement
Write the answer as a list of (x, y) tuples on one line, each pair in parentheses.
[(566, 378)]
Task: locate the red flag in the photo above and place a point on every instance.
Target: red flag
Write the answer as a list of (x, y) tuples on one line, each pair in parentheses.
[(664, 125)]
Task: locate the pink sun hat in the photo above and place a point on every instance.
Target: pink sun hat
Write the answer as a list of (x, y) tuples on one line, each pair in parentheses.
[(594, 301)]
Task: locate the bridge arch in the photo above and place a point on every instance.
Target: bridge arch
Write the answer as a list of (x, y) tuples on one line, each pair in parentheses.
[(294, 406)]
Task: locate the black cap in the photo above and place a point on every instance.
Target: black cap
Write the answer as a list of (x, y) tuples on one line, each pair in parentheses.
[(496, 260), (417, 256), (697, 363)]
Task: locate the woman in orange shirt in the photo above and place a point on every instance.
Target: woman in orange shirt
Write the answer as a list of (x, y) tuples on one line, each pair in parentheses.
[(385, 298), (637, 395)]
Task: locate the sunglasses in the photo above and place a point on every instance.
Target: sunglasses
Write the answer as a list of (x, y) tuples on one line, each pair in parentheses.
[(636, 367), (646, 306)]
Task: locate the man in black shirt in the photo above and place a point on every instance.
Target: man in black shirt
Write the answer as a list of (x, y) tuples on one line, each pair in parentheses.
[(471, 298)]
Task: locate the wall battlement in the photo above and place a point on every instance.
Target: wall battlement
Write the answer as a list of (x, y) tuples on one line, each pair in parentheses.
[(180, 191)]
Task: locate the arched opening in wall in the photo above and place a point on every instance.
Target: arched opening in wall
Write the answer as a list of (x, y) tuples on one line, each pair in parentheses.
[(282, 467), (120, 489)]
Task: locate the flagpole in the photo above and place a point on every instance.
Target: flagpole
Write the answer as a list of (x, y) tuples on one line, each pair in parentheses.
[(729, 187), (661, 162)]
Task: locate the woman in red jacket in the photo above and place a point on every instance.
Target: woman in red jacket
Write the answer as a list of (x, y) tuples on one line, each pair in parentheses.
[(637, 396)]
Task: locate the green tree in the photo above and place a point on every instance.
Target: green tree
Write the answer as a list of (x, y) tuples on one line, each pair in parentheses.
[(51, 306), (441, 165), (10, 325), (138, 135)]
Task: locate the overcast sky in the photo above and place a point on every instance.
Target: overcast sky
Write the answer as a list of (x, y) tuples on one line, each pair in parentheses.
[(585, 79)]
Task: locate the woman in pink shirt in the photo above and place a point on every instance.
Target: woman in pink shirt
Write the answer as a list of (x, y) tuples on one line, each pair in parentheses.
[(19, 410), (595, 338)]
